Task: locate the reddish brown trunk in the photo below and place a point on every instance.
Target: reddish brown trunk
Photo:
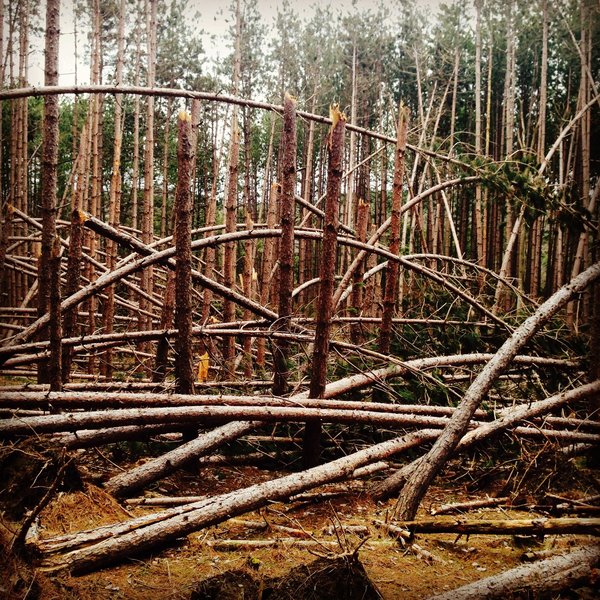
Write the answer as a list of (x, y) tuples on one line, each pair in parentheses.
[(184, 372), (391, 284), (357, 279), (166, 322), (312, 432), (49, 263), (286, 247)]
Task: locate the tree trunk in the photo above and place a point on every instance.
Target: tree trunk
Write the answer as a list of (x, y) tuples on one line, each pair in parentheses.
[(357, 279), (286, 245), (312, 432), (135, 166), (553, 575), (479, 220), (184, 372), (159, 372), (115, 189), (229, 252), (157, 468), (391, 282), (540, 526), (268, 262), (49, 263), (184, 520), (417, 485), (147, 214)]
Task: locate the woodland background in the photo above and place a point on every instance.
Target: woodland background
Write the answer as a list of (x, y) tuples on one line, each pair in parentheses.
[(318, 232)]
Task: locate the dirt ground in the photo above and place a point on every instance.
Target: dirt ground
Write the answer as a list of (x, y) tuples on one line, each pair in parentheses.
[(334, 522)]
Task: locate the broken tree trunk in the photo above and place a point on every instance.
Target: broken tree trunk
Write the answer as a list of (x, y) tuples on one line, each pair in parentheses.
[(362, 222), (286, 245), (159, 372), (436, 458), (391, 283), (470, 505), (161, 466), (549, 575), (312, 432), (184, 371), (90, 438), (73, 279), (195, 415)]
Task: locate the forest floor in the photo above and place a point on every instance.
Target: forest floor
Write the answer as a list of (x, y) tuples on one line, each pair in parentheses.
[(336, 520)]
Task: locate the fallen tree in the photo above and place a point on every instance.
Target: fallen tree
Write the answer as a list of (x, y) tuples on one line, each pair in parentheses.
[(538, 526), (165, 464), (550, 575), (165, 527), (139, 535), (509, 417), (420, 479)]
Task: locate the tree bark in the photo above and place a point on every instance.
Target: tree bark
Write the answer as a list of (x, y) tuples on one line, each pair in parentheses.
[(391, 282), (312, 432), (49, 262), (157, 468), (147, 213), (115, 189), (184, 372), (542, 526), (417, 485), (214, 510), (550, 575), (286, 245), (506, 418)]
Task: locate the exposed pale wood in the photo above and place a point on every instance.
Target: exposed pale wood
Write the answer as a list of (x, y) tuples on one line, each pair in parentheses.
[(161, 529)]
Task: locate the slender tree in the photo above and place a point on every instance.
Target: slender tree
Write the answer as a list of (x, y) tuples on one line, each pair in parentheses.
[(49, 262), (391, 283), (335, 145), (184, 373), (114, 207), (286, 246)]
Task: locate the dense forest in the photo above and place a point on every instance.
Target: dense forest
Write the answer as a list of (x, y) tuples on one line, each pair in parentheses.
[(351, 246)]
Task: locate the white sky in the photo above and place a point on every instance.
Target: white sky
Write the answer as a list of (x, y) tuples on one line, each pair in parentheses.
[(213, 20)]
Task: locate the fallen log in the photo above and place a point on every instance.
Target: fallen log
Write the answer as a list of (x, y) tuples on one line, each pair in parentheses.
[(400, 533), (164, 500), (168, 527), (541, 526), (90, 438), (508, 418), (203, 414), (237, 545), (163, 465), (195, 415), (550, 575), (105, 399), (471, 505), (421, 478)]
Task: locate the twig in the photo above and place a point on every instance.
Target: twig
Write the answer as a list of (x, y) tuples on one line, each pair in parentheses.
[(18, 544)]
